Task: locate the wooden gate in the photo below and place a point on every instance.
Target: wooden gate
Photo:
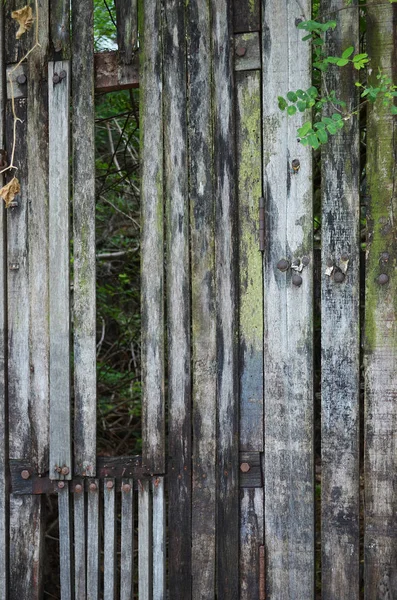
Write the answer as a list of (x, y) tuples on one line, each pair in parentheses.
[(235, 495)]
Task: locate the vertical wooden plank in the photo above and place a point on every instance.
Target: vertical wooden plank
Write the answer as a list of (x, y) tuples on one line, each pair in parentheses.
[(159, 547), (227, 341), (80, 562), (60, 29), (65, 558), (93, 552), (340, 331), (246, 15), (59, 164), (127, 28), (380, 319), (144, 542), (288, 331), (127, 540), (109, 514), (152, 238), (84, 315), (251, 536), (202, 227), (178, 300)]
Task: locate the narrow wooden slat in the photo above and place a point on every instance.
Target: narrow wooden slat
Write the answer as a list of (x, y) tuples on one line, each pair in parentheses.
[(226, 247), (203, 300), (127, 28), (84, 314), (380, 319), (93, 552), (152, 239), (59, 165), (80, 562), (246, 15), (65, 542), (113, 75), (109, 514), (340, 332), (144, 541), (251, 538), (159, 548), (178, 300), (288, 332), (60, 29), (127, 540)]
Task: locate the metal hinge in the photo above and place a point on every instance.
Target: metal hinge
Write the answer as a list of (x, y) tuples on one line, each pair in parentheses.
[(262, 581), (262, 224)]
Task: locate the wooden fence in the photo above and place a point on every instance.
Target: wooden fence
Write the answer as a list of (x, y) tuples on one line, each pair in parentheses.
[(228, 291)]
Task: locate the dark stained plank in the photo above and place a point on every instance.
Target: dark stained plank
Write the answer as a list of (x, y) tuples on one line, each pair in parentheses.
[(152, 239), (226, 302), (380, 320), (109, 539), (340, 331), (288, 331), (159, 539), (251, 538), (93, 536), (178, 301), (127, 28), (60, 29), (65, 541), (84, 310), (202, 223), (127, 540), (79, 522), (246, 15)]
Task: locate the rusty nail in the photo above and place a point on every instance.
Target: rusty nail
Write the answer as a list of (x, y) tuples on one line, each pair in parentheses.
[(383, 278), (283, 265), (61, 485), (62, 74), (109, 485), (78, 488), (55, 78), (305, 261), (126, 488), (22, 79), (339, 277), (296, 165), (14, 266), (297, 280), (241, 51), (65, 470), (25, 474), (245, 467), (92, 487)]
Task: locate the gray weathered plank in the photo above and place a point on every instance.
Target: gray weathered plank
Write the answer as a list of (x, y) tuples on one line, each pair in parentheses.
[(109, 558), (159, 542), (340, 331), (247, 52), (152, 239), (144, 541), (127, 540), (380, 320), (178, 300), (251, 538), (80, 562), (202, 223), (127, 28), (288, 331), (93, 551), (60, 29), (84, 311), (65, 541), (226, 247), (59, 165)]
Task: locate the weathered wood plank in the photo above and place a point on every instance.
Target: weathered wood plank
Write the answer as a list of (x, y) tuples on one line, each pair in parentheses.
[(144, 542), (288, 331), (111, 74), (127, 540), (202, 223), (65, 541), (159, 541), (251, 538), (84, 313), (246, 15), (247, 52), (109, 514), (59, 300), (80, 562), (152, 239), (93, 551), (380, 319), (225, 264), (127, 28), (340, 332), (60, 29)]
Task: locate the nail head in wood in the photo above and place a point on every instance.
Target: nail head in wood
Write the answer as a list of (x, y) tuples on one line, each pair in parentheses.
[(126, 488), (383, 279), (241, 51), (55, 78), (78, 488), (65, 470), (245, 467), (61, 485), (339, 277), (93, 487), (283, 265), (305, 261), (62, 75), (385, 256), (297, 280), (21, 79), (25, 474), (109, 485), (296, 165)]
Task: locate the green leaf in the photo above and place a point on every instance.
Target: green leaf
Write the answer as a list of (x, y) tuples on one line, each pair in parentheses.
[(307, 37), (302, 95), (342, 62), (301, 106), (332, 129), (313, 140), (337, 117), (322, 136), (359, 57), (304, 142), (291, 110), (319, 125), (292, 97), (348, 52), (317, 42), (394, 108), (328, 121), (302, 131), (282, 103), (332, 59), (312, 91)]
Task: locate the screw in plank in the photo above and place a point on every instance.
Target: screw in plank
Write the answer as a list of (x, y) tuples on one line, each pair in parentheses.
[(62, 75), (241, 51), (297, 280), (61, 485), (93, 487), (78, 488), (109, 485), (305, 261), (126, 488), (245, 467), (25, 474), (22, 79), (55, 78), (339, 277), (65, 471), (383, 278), (283, 265)]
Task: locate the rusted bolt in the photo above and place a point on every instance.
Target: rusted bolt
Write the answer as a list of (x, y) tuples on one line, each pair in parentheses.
[(241, 51), (55, 78), (297, 280), (110, 485), (93, 487), (126, 488), (65, 470), (61, 485), (25, 474), (382, 279), (296, 165), (245, 467), (78, 488), (339, 277), (22, 79), (62, 74), (283, 265), (305, 261)]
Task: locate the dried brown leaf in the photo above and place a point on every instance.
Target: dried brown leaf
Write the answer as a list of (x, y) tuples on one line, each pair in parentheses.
[(9, 191), (24, 17)]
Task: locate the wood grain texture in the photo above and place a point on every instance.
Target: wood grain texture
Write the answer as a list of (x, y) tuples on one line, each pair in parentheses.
[(178, 301), (93, 536), (144, 541), (159, 539), (59, 259), (127, 573), (246, 15), (111, 74), (60, 29), (80, 556), (380, 320), (202, 231), (226, 247), (247, 52), (109, 540), (152, 239), (127, 28), (340, 331), (251, 538), (288, 330), (84, 310), (65, 543)]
